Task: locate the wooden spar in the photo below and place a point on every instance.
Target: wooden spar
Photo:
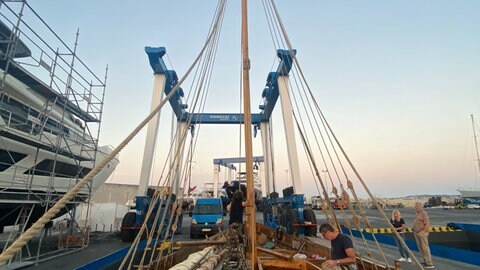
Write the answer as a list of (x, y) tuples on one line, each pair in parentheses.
[(251, 233), (276, 254), (200, 243)]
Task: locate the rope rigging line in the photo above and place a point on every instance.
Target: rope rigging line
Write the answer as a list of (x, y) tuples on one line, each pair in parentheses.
[(158, 194), (203, 84), (277, 26), (172, 172), (306, 144), (177, 210), (206, 66), (155, 199), (280, 26), (240, 110), (311, 161), (290, 47), (329, 131), (39, 224), (274, 33), (344, 194), (374, 200)]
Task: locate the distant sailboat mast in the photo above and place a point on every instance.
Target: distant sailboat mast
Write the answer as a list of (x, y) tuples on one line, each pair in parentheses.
[(476, 143)]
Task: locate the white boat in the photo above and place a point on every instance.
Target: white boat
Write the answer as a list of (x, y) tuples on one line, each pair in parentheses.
[(242, 180), (471, 196), (469, 193), (49, 125)]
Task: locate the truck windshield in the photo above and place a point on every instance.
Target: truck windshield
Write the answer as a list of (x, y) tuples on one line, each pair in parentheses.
[(206, 209)]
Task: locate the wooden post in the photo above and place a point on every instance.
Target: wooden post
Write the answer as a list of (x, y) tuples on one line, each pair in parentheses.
[(251, 234)]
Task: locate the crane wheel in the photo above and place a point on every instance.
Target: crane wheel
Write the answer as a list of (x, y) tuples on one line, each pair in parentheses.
[(127, 234), (309, 216), (292, 218)]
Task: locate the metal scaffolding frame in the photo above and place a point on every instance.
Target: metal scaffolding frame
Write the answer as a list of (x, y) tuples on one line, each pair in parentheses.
[(73, 93)]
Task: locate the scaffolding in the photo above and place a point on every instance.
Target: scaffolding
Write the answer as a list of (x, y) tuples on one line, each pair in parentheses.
[(51, 103)]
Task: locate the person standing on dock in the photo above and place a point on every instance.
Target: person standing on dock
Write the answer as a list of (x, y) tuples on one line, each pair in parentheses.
[(399, 225), (342, 252), (421, 224), (236, 208)]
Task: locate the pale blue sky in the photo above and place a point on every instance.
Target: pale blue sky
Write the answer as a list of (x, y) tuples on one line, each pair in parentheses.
[(398, 80)]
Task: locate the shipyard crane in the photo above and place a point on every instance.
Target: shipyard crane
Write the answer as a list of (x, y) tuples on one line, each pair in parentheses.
[(164, 80), (230, 186)]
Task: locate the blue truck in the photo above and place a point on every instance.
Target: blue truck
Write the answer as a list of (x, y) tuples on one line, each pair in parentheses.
[(207, 217), (133, 220)]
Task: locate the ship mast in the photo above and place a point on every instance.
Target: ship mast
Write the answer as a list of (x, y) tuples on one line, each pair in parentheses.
[(476, 143), (251, 225)]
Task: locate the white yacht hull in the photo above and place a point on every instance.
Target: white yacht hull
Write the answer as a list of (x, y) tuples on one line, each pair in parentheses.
[(41, 159), (22, 185), (469, 193)]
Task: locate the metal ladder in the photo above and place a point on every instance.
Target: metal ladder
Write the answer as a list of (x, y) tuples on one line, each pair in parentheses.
[(21, 222)]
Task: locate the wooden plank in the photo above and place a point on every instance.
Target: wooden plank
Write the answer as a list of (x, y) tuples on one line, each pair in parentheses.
[(294, 265), (311, 265), (260, 267), (275, 253)]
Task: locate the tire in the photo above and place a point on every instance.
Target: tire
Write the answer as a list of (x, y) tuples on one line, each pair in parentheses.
[(128, 221), (284, 215), (267, 209), (309, 216), (292, 218)]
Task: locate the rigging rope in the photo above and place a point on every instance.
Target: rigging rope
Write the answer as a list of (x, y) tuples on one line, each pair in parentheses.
[(329, 131), (40, 223), (204, 71)]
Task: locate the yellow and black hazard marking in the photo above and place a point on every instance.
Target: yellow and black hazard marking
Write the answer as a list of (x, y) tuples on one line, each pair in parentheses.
[(410, 230), (379, 230)]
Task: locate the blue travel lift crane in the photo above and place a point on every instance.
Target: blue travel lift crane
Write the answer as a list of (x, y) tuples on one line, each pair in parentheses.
[(132, 221), (286, 213)]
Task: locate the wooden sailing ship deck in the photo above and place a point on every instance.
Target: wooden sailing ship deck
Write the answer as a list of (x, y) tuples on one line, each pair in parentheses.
[(257, 246)]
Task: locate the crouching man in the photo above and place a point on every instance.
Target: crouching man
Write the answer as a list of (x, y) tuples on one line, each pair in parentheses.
[(342, 252)]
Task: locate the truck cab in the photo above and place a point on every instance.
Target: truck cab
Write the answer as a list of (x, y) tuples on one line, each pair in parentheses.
[(339, 203), (207, 217)]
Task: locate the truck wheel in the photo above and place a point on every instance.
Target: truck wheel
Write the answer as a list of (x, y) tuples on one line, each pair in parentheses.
[(267, 209), (292, 218), (309, 216), (284, 215), (127, 235)]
